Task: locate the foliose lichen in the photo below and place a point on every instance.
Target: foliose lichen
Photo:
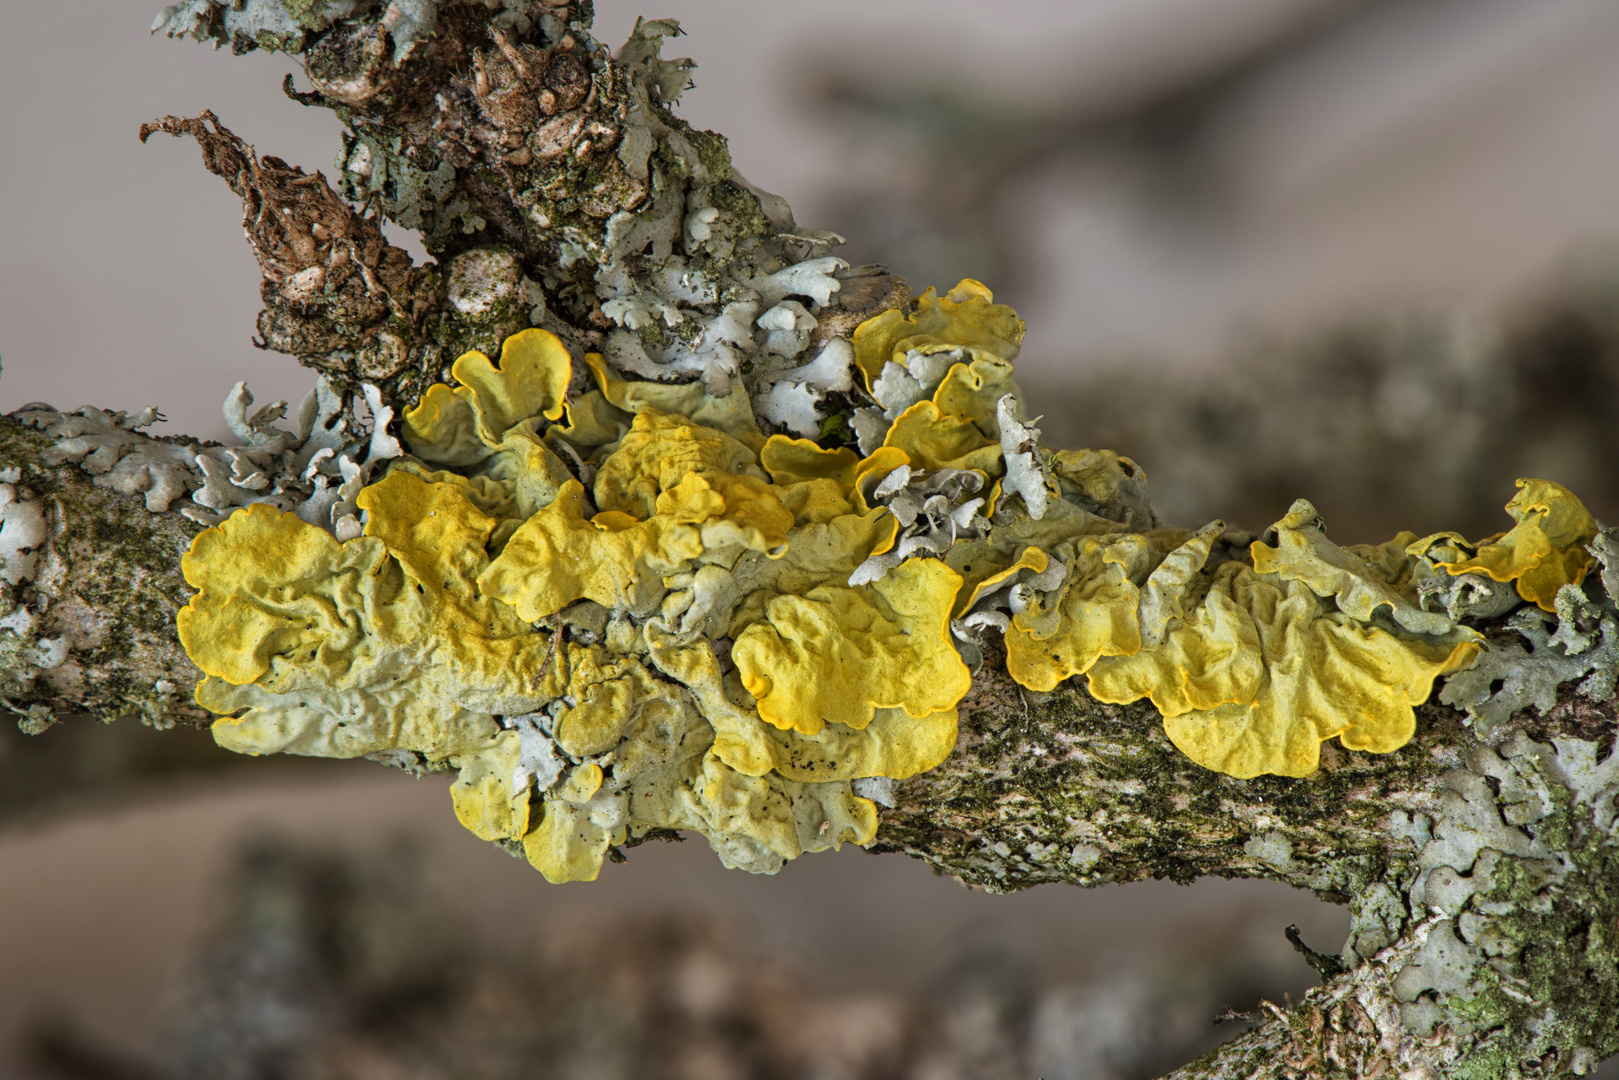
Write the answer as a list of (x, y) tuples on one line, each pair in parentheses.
[(1536, 574), (1521, 856), (24, 655), (619, 606), (1583, 649), (494, 601), (1543, 552)]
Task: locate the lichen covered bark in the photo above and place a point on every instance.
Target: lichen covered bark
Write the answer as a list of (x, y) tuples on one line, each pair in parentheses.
[(1092, 793), (596, 564), (1481, 880), (91, 628)]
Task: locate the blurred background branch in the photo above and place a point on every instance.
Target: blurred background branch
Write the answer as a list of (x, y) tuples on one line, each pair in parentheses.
[(344, 963)]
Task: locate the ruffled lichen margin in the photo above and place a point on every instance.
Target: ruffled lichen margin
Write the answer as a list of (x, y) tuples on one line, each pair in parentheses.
[(640, 354)]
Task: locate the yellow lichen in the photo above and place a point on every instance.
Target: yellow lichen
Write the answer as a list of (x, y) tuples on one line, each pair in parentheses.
[(974, 389), (660, 451), (893, 743), (1544, 551), (430, 632), (1092, 615), (560, 555), (795, 461), (1359, 589), (249, 609), (482, 794), (1260, 671), (966, 317), (618, 560), (836, 655), (544, 593), (732, 414), (458, 427), (934, 439)]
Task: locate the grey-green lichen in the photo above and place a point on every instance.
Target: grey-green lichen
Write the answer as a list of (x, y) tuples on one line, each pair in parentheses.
[(934, 509), (699, 285), (23, 655), (316, 472), (286, 25), (1583, 648), (1605, 549), (1523, 868), (628, 230), (413, 197)]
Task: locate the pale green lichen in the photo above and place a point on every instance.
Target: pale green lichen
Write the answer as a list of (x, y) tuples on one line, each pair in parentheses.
[(1605, 549), (423, 200), (1521, 854), (24, 656), (1571, 630), (254, 24)]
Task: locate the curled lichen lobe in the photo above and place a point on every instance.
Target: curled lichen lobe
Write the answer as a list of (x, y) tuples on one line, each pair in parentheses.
[(1543, 552)]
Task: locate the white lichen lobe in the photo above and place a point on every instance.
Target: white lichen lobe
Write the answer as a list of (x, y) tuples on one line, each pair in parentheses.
[(316, 472)]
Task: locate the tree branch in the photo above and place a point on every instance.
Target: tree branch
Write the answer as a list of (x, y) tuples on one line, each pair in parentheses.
[(557, 190)]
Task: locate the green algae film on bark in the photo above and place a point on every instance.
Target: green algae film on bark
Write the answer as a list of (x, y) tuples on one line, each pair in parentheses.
[(106, 587), (1061, 787)]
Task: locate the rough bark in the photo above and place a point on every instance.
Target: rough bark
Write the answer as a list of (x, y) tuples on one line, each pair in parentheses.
[(106, 587), (1522, 978), (1481, 875)]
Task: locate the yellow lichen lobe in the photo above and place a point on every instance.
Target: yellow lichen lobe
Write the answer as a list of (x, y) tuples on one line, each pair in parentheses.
[(659, 452), (837, 654), (560, 555), (482, 794), (1272, 660), (567, 845), (1093, 614), (260, 575), (796, 461), (934, 439), (457, 427), (965, 317), (1359, 588), (1544, 551)]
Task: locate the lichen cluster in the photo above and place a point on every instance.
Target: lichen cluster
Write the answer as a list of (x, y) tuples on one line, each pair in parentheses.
[(555, 188), (619, 606), (316, 472), (499, 616), (1507, 879), (285, 27)]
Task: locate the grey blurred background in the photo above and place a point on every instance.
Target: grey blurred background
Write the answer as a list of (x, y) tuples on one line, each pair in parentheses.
[(1359, 250)]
